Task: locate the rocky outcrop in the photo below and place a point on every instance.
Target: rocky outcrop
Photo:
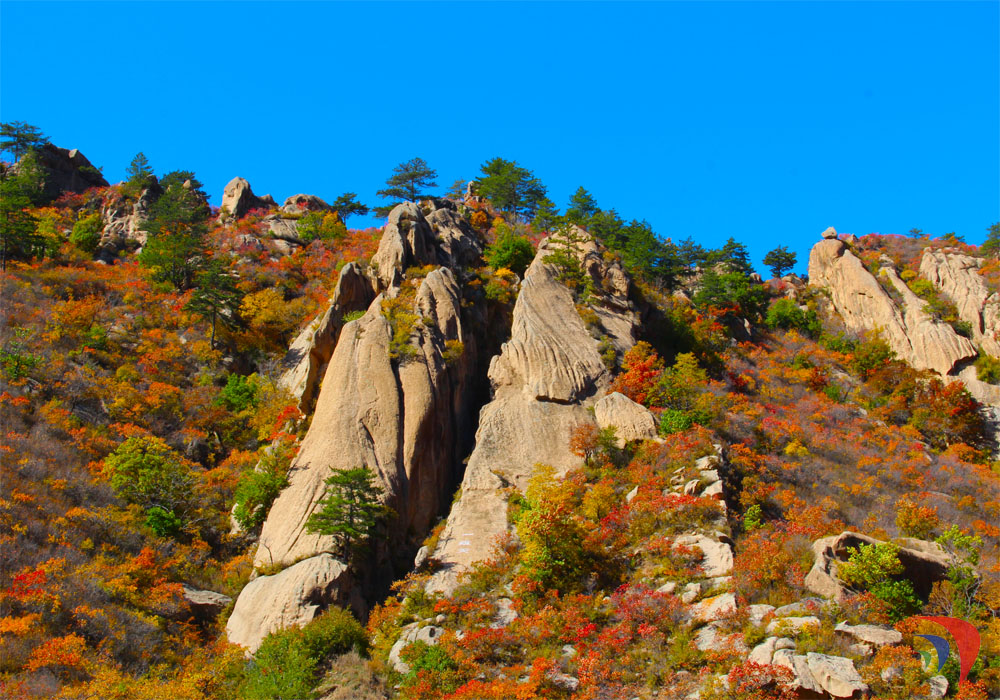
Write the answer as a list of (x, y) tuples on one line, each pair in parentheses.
[(429, 232), (631, 421), (899, 315), (124, 219), (292, 597), (545, 378), (924, 563), (913, 334), (238, 199), (957, 275), (302, 203), (312, 348), (63, 170), (204, 605), (392, 404)]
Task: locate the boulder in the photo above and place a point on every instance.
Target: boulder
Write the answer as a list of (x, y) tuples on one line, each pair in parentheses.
[(432, 232), (957, 275), (802, 677), (924, 563), (759, 612), (289, 598), (544, 379), (829, 233), (714, 608), (428, 634), (836, 675), (302, 203), (406, 417), (871, 634), (204, 605), (717, 557), (505, 614), (238, 199), (791, 625), (631, 421), (712, 638)]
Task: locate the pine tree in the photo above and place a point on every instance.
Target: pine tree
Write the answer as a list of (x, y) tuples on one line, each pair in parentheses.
[(19, 238), (215, 294), (408, 183), (510, 187), (20, 137), (582, 207), (347, 205), (780, 260), (350, 508), (547, 216), (140, 174)]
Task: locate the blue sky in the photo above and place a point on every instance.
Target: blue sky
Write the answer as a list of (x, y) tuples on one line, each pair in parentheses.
[(767, 122)]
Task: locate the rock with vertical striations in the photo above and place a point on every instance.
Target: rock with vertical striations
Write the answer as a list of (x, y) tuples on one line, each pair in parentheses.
[(864, 305), (394, 405), (544, 379), (311, 350)]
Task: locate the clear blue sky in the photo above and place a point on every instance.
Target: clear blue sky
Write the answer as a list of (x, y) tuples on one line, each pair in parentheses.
[(767, 122)]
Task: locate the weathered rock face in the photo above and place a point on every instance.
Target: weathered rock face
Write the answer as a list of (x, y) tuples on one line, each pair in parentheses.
[(544, 379), (402, 418), (124, 219), (238, 198), (292, 597), (912, 333), (64, 170), (957, 275), (311, 350), (864, 305), (924, 563), (429, 232)]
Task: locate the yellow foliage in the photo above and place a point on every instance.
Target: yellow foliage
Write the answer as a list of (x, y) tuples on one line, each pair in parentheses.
[(19, 625), (796, 449)]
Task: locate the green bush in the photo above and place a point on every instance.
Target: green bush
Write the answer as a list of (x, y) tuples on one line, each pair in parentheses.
[(324, 226), (257, 489), (163, 522), (871, 355), (144, 470), (786, 314), (510, 251), (753, 519), (673, 420), (288, 663), (988, 369), (240, 393), (872, 568), (86, 233)]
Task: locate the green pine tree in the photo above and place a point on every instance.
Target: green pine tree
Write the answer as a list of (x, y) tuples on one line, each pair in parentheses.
[(409, 183), (20, 137), (350, 509), (215, 294), (347, 205), (19, 237), (780, 260), (511, 188)]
